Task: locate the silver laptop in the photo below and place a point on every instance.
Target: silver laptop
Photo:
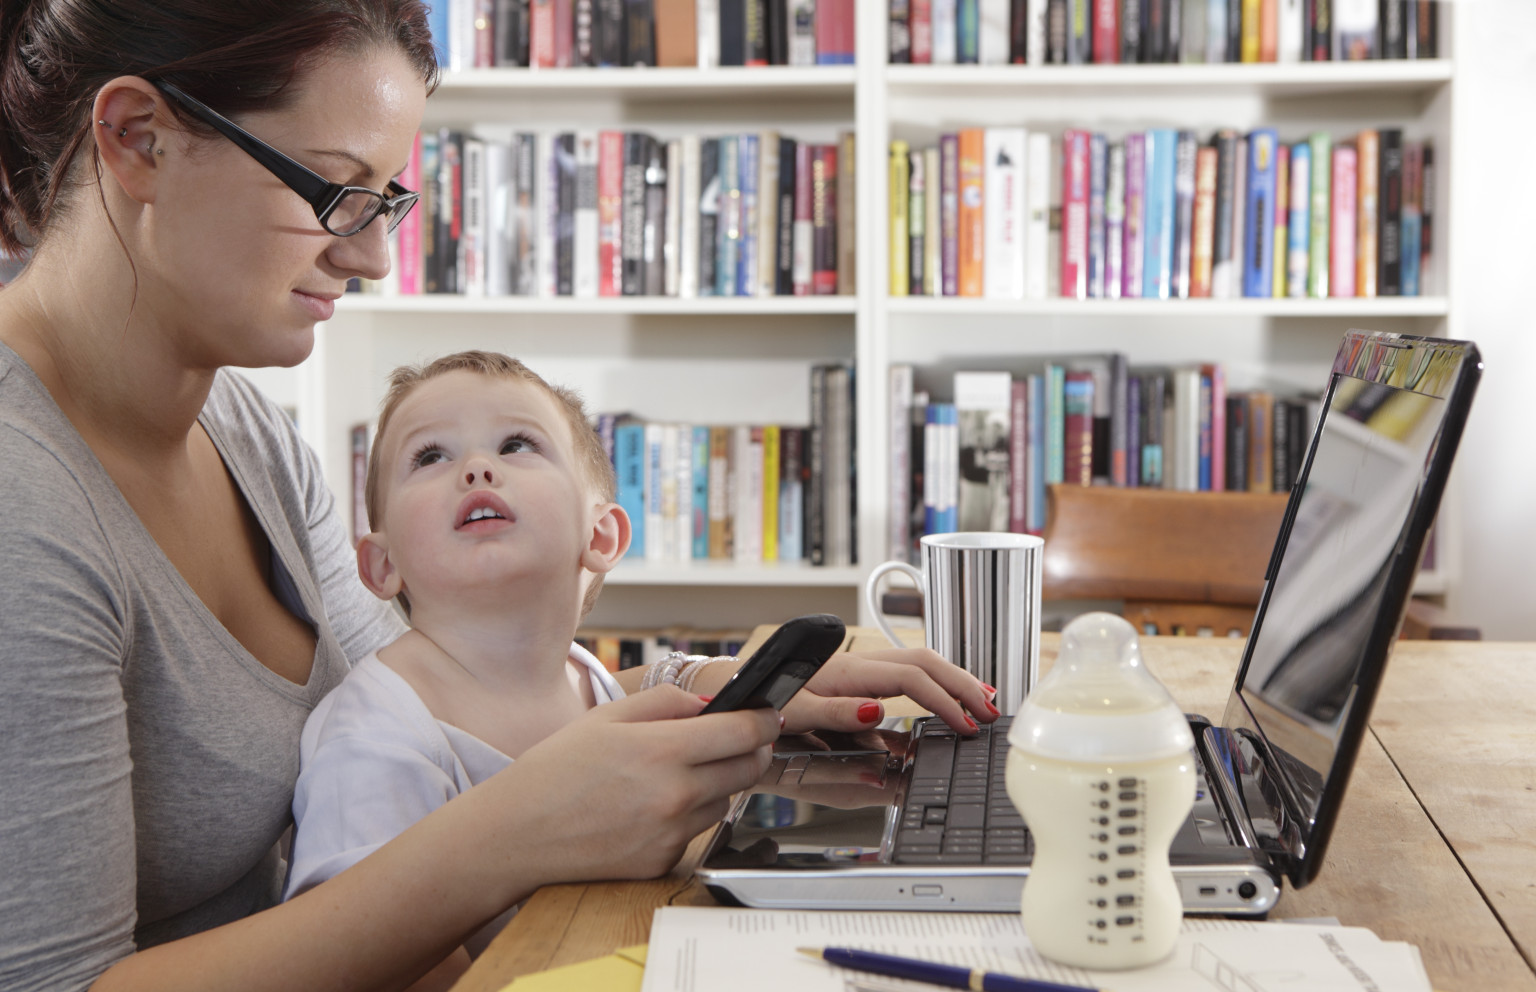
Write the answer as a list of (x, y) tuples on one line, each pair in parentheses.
[(913, 816)]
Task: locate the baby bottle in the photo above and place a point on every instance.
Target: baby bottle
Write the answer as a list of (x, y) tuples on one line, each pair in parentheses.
[(1102, 772)]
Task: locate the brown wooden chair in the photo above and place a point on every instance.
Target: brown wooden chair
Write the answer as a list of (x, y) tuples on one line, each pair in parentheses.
[(1181, 562)]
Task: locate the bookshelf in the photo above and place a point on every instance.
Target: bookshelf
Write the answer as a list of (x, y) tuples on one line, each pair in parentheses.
[(726, 360)]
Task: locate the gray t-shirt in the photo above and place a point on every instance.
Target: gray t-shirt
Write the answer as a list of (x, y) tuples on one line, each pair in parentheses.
[(147, 760)]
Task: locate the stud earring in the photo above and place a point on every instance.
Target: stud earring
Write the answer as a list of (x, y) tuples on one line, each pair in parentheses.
[(103, 123), (123, 133), (159, 151)]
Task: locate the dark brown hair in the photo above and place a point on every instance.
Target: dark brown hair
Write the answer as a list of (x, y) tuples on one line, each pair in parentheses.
[(236, 56), (591, 457)]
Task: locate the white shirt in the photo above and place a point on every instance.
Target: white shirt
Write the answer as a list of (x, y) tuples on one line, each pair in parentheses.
[(374, 760)]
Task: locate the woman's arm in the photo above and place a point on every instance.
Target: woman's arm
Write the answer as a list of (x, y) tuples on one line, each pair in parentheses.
[(617, 794)]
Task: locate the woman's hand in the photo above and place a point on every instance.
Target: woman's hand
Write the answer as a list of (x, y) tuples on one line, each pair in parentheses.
[(845, 694), (621, 791)]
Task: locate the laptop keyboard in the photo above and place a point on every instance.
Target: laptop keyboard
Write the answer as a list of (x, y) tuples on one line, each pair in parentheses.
[(957, 809)]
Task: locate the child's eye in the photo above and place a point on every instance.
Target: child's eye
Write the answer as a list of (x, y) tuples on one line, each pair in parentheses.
[(426, 455), (519, 443)]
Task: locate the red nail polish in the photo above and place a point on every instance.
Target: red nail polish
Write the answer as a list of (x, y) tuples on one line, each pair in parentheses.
[(990, 689), (992, 709), (869, 712), (970, 723), (707, 699)]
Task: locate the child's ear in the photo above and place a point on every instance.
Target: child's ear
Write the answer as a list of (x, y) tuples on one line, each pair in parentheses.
[(375, 568), (609, 539)]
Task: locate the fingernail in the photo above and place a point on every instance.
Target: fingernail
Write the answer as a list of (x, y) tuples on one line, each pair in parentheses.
[(781, 721), (991, 691), (992, 709), (971, 723), (869, 712), (707, 699)]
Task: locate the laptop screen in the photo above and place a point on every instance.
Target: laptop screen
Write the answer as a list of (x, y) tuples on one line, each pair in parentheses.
[(1344, 564)]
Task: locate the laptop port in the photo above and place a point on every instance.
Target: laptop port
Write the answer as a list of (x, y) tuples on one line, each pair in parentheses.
[(1208, 891)]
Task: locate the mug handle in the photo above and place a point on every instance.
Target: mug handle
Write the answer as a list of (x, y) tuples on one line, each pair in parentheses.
[(872, 602)]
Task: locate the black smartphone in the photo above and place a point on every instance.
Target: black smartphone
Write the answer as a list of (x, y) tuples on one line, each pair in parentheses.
[(784, 663)]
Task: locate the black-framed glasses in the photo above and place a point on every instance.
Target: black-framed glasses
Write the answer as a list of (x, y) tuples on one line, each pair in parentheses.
[(341, 210)]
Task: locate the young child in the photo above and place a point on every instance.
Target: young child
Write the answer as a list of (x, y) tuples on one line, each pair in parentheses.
[(491, 504)]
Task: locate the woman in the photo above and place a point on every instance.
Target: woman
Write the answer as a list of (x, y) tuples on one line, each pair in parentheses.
[(178, 589)]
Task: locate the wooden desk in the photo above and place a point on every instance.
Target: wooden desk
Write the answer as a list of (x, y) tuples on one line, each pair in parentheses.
[(1435, 845)]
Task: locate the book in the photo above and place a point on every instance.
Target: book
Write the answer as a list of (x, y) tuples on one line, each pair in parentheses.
[(1355, 24), (1411, 235), (1341, 252), (847, 214), (1018, 456), (1077, 428), (676, 33), (945, 43), (699, 454), (586, 221), (1259, 224), (1239, 214), (629, 470), (498, 233), (824, 160), (792, 471), (899, 190), (1389, 223), (1074, 213), (1186, 148), (732, 20), (1184, 473), (982, 408), (1055, 376), (802, 32), (1114, 222), (1203, 222), (747, 171), (1106, 31), (721, 512), (1161, 152), (632, 213), (932, 242), (941, 469), (1098, 179), (992, 32), (803, 229), (949, 214), (747, 508), (1225, 260), (1261, 459), (1037, 183), (1282, 220), (1320, 210), (1003, 256), (1367, 210), (922, 31), (971, 241), (1215, 408), (917, 215), (839, 529), (1154, 396), (967, 15), (1428, 206), (1135, 214), (690, 235), (834, 32), (1299, 226), (564, 214), (610, 208), (709, 216), (787, 217)]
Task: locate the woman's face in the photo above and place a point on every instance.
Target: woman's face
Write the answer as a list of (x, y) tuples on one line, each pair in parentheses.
[(238, 268)]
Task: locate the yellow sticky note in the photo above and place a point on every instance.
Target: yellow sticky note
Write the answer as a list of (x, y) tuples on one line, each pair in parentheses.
[(620, 971)]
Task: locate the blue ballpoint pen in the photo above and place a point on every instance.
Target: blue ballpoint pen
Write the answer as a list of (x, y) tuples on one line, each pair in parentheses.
[(935, 973)]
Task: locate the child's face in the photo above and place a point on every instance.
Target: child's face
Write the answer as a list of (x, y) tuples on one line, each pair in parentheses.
[(481, 485)]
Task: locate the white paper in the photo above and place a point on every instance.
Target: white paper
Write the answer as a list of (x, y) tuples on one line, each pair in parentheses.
[(696, 949)]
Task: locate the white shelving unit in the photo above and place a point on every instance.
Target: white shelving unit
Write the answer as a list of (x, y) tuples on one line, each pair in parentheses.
[(725, 360)]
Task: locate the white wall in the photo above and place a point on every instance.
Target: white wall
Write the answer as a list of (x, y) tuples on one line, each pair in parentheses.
[(1495, 297)]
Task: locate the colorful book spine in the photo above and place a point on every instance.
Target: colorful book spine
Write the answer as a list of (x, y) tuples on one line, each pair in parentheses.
[(900, 189), (917, 217), (1006, 214), (972, 212), (1428, 209), (1412, 233), (1389, 225), (1341, 254), (1037, 237), (949, 213), (1157, 279), (1204, 223), (967, 32), (1282, 224), (699, 477), (629, 470), (1098, 178), (749, 172), (1299, 228), (1135, 213), (824, 220), (1185, 151), (1367, 210), (1259, 224), (1216, 410), (769, 500), (1114, 223), (1035, 506), (1106, 31), (1055, 422), (1018, 456), (804, 222), (1224, 257), (1077, 427), (1074, 213), (1319, 261), (409, 253)]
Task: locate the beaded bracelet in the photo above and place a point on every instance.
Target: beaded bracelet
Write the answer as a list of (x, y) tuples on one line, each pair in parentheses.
[(679, 669)]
